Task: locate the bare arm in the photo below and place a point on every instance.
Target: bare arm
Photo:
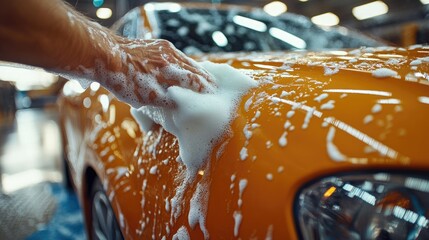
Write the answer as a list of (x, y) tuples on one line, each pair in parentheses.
[(51, 35)]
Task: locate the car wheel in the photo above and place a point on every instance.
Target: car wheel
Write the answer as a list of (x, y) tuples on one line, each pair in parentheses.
[(104, 225)]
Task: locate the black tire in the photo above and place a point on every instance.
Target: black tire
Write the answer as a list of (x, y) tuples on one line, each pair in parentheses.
[(104, 225)]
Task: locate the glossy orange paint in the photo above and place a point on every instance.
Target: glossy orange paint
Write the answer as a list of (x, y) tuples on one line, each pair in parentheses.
[(140, 171)]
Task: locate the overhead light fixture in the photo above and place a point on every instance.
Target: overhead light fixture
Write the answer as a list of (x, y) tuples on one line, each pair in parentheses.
[(326, 19), (288, 38), (250, 23), (303, 0), (275, 8), (370, 10), (104, 13), (424, 2)]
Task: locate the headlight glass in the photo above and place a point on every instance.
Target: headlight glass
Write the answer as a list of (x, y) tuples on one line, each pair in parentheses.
[(369, 206)]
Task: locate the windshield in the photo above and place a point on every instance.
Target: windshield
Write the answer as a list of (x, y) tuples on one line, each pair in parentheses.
[(212, 30)]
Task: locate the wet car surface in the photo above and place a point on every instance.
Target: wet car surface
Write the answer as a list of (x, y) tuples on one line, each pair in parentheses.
[(323, 132)]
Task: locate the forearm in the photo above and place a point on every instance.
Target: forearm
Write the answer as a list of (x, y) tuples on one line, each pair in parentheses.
[(49, 34)]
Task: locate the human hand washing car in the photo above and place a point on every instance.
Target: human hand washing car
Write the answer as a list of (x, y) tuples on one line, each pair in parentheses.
[(51, 35)]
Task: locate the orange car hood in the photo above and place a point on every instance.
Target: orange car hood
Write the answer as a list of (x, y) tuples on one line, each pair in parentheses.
[(337, 103), (312, 114), (315, 114)]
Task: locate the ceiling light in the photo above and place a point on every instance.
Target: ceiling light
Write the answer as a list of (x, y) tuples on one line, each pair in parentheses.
[(250, 23), (326, 19), (303, 0), (104, 13), (275, 8), (288, 38), (424, 2), (370, 10)]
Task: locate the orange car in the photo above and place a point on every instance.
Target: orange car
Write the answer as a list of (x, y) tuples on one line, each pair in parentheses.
[(332, 145)]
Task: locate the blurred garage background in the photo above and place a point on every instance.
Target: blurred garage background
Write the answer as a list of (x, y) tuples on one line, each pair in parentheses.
[(33, 202)]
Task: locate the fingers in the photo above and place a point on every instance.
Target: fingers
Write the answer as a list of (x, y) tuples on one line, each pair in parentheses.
[(190, 65), (176, 68), (161, 61)]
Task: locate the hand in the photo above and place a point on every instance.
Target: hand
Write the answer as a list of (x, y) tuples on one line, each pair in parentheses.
[(138, 72), (152, 66)]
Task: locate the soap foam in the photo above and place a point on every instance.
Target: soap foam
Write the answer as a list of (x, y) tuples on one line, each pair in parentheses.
[(198, 209), (181, 234), (237, 222), (321, 97), (199, 120), (384, 73)]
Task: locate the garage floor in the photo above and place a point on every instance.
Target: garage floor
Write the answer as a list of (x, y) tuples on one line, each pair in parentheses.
[(33, 202)]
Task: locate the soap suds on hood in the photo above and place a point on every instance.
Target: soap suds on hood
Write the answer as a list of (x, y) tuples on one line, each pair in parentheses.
[(181, 234), (243, 153), (283, 139), (198, 209), (328, 105), (237, 222), (328, 71), (321, 97), (384, 73), (376, 108), (199, 120)]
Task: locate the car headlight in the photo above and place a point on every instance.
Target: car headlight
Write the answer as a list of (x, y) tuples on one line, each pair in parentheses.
[(368, 206)]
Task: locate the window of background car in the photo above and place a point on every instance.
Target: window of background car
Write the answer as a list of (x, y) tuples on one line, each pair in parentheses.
[(202, 30)]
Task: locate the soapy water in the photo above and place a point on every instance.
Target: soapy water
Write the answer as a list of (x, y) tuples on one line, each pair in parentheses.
[(199, 119), (141, 71)]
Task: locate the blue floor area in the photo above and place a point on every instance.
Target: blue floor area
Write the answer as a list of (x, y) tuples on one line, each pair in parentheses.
[(67, 221)]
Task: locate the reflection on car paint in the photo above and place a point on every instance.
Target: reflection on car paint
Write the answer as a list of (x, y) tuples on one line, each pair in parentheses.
[(302, 89)]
